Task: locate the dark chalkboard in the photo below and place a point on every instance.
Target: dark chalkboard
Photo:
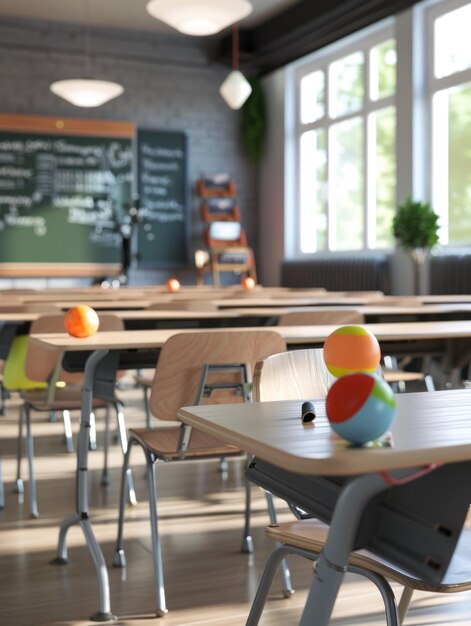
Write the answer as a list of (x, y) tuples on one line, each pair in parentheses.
[(56, 197), (162, 191)]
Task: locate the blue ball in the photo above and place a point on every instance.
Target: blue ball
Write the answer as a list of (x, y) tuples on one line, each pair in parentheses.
[(360, 407)]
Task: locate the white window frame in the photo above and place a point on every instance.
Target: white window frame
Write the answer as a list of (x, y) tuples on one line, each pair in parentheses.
[(437, 166), (320, 60)]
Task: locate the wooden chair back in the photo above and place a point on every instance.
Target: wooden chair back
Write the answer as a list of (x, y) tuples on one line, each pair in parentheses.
[(41, 361), (181, 360), (294, 375), (320, 316)]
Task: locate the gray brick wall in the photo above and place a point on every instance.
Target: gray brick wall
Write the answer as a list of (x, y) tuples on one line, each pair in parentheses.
[(170, 83)]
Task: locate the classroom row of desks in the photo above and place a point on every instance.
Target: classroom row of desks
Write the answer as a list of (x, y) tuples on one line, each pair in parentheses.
[(139, 348)]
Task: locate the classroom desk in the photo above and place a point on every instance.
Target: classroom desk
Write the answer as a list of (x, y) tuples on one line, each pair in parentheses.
[(450, 338), (430, 428), (100, 355)]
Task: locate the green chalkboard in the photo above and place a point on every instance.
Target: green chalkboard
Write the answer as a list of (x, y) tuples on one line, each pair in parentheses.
[(162, 228), (56, 197)]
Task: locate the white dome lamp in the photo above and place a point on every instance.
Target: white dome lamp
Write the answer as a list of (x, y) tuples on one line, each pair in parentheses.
[(199, 17), (236, 88), (86, 92)]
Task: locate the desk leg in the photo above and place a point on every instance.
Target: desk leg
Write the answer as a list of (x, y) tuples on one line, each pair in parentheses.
[(332, 563), (82, 518)]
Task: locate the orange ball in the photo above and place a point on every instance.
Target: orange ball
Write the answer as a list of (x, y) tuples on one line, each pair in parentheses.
[(351, 349), (248, 283), (172, 285), (81, 321)]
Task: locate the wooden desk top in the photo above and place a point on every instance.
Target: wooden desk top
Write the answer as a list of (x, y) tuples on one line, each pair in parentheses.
[(292, 334), (430, 427)]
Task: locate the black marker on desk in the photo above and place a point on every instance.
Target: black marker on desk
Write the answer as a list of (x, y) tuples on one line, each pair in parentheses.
[(308, 412)]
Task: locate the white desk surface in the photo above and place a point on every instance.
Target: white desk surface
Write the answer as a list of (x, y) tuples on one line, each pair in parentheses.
[(430, 427), (293, 334)]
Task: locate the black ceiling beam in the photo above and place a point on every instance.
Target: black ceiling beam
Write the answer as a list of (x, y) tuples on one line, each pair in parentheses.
[(304, 28)]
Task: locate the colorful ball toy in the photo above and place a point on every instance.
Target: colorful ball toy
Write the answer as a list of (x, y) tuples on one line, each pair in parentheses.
[(351, 349), (81, 321), (360, 407), (172, 285)]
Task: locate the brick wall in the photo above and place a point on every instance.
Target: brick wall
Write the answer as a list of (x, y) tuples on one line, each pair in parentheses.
[(170, 83)]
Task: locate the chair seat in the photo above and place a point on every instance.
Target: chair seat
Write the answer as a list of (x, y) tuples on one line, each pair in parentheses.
[(163, 442), (311, 535), (69, 397)]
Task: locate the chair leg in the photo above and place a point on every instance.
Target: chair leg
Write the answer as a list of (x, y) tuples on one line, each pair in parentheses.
[(105, 478), (156, 547), (390, 606), (19, 486), (2, 489), (284, 569), (69, 443), (429, 384), (4, 394), (147, 407), (124, 446), (265, 584), (119, 559), (33, 502), (247, 541), (404, 603), (279, 553), (92, 432)]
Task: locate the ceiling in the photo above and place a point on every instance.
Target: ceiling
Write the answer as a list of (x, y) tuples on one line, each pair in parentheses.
[(119, 14), (275, 34)]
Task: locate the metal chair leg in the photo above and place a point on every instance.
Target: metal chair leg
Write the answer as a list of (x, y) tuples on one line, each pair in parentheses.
[(247, 541), (284, 569), (265, 584), (68, 431), (124, 446), (119, 559), (147, 407), (92, 432), (2, 490), (19, 486), (161, 608), (33, 502), (279, 553), (105, 478), (404, 603)]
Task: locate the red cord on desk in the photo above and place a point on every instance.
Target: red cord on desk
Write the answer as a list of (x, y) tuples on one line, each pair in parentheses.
[(390, 480)]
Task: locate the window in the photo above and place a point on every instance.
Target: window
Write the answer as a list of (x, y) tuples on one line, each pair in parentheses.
[(346, 147), (450, 98)]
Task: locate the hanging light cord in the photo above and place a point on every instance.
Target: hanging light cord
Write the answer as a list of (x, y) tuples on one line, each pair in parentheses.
[(235, 47)]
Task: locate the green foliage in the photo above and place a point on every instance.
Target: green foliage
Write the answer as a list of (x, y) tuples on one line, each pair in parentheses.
[(415, 225), (253, 122)]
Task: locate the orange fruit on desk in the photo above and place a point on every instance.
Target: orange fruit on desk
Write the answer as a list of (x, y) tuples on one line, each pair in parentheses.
[(81, 321), (172, 285), (248, 283)]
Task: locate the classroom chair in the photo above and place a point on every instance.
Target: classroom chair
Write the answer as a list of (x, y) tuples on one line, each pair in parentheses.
[(302, 375), (394, 375), (62, 391), (193, 368), (228, 251)]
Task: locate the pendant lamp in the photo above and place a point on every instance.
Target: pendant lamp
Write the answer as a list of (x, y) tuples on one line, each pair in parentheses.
[(236, 88), (199, 17), (86, 92)]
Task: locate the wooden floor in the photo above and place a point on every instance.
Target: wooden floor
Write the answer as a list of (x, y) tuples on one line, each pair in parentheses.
[(208, 580)]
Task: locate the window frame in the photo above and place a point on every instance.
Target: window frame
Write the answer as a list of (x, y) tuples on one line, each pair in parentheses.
[(439, 196), (321, 60)]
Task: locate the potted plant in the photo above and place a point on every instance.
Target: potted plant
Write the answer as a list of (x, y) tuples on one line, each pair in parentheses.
[(415, 227)]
